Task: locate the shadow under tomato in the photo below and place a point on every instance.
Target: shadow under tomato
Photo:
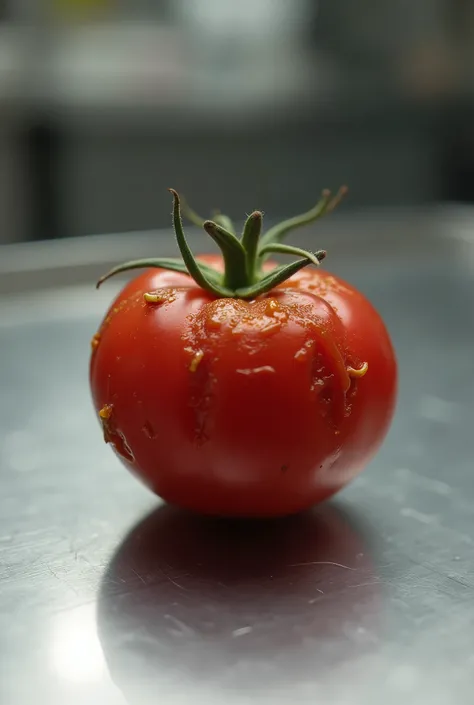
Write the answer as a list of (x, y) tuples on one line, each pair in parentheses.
[(198, 605)]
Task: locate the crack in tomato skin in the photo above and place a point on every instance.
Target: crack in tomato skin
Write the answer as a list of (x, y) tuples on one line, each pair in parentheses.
[(253, 323), (200, 401), (149, 431), (326, 341), (112, 435)]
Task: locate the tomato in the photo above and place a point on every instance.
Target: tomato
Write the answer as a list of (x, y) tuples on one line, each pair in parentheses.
[(243, 406)]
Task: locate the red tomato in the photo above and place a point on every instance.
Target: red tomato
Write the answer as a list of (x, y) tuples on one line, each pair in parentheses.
[(234, 407)]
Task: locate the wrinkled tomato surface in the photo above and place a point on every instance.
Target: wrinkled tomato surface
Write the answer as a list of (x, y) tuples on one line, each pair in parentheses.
[(232, 407)]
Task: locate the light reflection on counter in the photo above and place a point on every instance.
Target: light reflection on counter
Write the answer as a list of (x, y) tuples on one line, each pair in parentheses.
[(76, 654)]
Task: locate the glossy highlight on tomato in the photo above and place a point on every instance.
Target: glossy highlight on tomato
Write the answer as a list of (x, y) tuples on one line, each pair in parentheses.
[(243, 402)]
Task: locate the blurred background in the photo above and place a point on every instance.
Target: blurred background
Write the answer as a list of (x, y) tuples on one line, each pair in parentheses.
[(255, 104)]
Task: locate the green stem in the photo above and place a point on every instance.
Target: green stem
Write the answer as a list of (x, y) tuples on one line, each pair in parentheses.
[(275, 277), (196, 219), (190, 214), (243, 275), (170, 263), (281, 248), (233, 253), (250, 238), (223, 220), (194, 268), (326, 204)]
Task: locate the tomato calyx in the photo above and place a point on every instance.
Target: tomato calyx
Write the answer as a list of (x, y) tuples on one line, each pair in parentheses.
[(244, 276)]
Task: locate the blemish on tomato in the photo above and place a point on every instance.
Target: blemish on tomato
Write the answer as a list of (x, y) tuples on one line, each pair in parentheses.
[(257, 370), (318, 372), (148, 430), (214, 322), (122, 447), (358, 373), (95, 341), (106, 412), (202, 383), (151, 298), (271, 306), (112, 435), (223, 314), (309, 280), (273, 309), (160, 296), (197, 356), (271, 327), (302, 353), (113, 312), (328, 385)]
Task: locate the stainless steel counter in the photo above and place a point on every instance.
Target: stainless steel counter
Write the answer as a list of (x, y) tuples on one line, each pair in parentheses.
[(108, 597)]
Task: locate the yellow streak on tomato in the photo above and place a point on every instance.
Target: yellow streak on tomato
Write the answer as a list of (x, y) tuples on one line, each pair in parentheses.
[(106, 412), (358, 373), (95, 341)]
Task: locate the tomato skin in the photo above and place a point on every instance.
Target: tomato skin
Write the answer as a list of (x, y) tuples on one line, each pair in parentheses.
[(243, 408)]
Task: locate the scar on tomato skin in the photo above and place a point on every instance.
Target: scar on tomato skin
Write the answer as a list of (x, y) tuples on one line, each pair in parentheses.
[(337, 370), (284, 468), (358, 373), (121, 446), (302, 353), (256, 370), (112, 435), (148, 430), (202, 383)]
